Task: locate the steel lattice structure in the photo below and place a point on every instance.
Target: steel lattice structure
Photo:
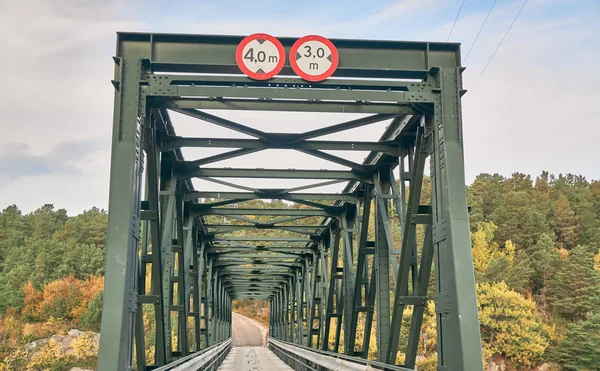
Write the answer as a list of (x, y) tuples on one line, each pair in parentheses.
[(330, 275)]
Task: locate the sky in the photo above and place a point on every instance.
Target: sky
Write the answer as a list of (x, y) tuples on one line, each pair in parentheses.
[(536, 107)]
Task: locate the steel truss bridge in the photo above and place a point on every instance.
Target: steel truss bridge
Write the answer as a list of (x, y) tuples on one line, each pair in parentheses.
[(325, 273)]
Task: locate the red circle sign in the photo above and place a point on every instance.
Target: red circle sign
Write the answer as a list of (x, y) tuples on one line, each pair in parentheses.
[(314, 58), (260, 56)]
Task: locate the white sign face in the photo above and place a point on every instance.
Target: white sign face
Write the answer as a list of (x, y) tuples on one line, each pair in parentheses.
[(260, 56), (314, 58)]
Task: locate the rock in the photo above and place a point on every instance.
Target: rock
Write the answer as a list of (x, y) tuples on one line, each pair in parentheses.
[(543, 367), (75, 333), (35, 344), (67, 341), (496, 365), (57, 338), (492, 366), (96, 338)]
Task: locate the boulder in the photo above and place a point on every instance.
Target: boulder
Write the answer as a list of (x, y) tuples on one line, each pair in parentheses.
[(57, 338), (75, 333), (35, 344)]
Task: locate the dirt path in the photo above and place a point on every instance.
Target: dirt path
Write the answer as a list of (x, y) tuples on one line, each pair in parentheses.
[(253, 359), (249, 352), (247, 333)]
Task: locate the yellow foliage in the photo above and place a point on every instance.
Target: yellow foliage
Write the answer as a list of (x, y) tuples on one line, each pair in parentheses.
[(597, 261), (11, 328), (428, 341), (85, 347), (484, 249), (509, 251), (14, 361), (46, 356), (428, 364), (562, 253), (510, 325), (88, 290), (67, 297), (32, 300)]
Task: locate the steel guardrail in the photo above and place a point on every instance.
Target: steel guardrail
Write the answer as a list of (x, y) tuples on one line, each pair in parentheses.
[(303, 358), (204, 359)]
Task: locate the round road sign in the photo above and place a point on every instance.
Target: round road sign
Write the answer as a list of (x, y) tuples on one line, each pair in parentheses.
[(260, 56), (314, 58)]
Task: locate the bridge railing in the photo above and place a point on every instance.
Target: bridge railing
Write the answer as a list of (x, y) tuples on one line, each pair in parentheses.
[(302, 358), (206, 359)]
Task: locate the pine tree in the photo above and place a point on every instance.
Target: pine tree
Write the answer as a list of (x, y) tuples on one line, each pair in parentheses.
[(580, 346), (543, 262), (518, 220), (564, 223), (574, 290)]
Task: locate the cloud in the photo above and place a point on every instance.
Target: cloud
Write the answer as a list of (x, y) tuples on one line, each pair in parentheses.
[(17, 161)]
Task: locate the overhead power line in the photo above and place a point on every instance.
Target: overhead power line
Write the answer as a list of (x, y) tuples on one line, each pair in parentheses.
[(479, 32), (497, 47), (454, 24)]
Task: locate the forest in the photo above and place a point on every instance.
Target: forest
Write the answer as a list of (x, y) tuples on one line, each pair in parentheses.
[(536, 252)]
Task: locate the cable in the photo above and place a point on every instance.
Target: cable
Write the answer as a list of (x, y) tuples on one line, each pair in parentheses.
[(497, 47), (454, 24), (479, 32)]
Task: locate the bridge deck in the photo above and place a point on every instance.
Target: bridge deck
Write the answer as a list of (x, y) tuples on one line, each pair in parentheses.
[(252, 359)]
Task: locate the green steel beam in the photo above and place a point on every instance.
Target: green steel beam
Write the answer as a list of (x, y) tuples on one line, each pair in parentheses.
[(263, 226), (261, 238), (271, 194), (330, 83), (459, 344), (270, 173), (282, 143), (361, 58), (269, 212), (118, 315), (279, 105)]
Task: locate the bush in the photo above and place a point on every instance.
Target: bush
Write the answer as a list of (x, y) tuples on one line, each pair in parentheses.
[(91, 316)]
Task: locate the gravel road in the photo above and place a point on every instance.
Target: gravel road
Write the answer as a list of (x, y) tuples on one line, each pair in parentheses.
[(249, 352)]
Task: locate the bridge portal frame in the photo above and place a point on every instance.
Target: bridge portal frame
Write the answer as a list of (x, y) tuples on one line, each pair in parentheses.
[(161, 255)]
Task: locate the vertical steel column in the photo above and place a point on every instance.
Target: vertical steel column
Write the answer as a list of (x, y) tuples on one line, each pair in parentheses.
[(182, 290), (119, 306), (209, 312), (310, 309), (381, 265), (191, 288), (361, 280), (334, 304), (409, 230), (286, 312), (168, 205), (459, 345), (291, 298), (324, 293), (302, 308), (348, 282)]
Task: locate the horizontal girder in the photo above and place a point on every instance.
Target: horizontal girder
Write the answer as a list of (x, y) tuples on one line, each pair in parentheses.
[(271, 173), (271, 195), (280, 143)]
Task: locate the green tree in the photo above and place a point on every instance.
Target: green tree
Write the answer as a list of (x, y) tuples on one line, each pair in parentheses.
[(484, 196), (574, 290), (518, 220), (544, 260), (579, 348), (564, 223)]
